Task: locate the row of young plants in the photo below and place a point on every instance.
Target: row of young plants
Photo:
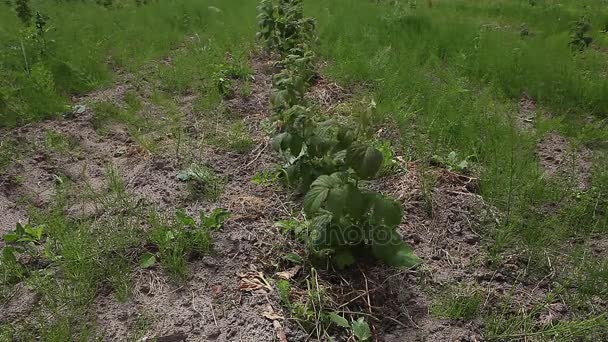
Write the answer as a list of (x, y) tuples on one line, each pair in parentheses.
[(325, 160)]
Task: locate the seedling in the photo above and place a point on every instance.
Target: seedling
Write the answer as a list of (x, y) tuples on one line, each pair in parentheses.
[(389, 164), (359, 329), (266, 177), (453, 163), (25, 239)]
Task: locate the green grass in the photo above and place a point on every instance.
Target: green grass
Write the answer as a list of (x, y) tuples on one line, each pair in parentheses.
[(445, 76), (456, 303), (87, 42), (81, 257), (448, 75)]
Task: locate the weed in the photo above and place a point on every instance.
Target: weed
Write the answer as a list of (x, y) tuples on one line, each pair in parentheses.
[(457, 304), (202, 181), (184, 237), (61, 143), (266, 177), (453, 163), (389, 164), (233, 136), (120, 278)]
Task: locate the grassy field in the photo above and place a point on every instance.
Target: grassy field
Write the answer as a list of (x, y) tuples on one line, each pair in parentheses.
[(483, 122)]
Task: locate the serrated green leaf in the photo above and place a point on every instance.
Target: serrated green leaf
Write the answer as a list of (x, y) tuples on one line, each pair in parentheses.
[(336, 201), (147, 260), (361, 330), (386, 211), (339, 320), (319, 191), (365, 160), (184, 219), (388, 246)]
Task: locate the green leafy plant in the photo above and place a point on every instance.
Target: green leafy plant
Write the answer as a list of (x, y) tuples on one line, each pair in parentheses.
[(267, 23), (266, 177), (283, 26), (453, 163), (325, 160), (359, 328), (224, 84), (181, 239), (25, 239), (389, 164), (348, 220)]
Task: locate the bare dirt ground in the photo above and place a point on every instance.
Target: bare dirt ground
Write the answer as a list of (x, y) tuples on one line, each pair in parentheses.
[(227, 297)]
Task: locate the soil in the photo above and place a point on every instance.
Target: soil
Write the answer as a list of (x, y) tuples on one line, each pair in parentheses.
[(560, 159), (557, 156), (226, 297)]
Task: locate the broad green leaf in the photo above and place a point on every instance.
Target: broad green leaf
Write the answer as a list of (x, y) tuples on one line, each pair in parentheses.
[(319, 191), (361, 330), (387, 211), (388, 246), (216, 219), (293, 257), (339, 320), (147, 260), (184, 219), (10, 237), (343, 257), (280, 140), (34, 232), (365, 160), (337, 200), (345, 139)]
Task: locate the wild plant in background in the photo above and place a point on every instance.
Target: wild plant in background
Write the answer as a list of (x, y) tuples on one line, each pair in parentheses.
[(579, 39), (282, 26), (267, 24)]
